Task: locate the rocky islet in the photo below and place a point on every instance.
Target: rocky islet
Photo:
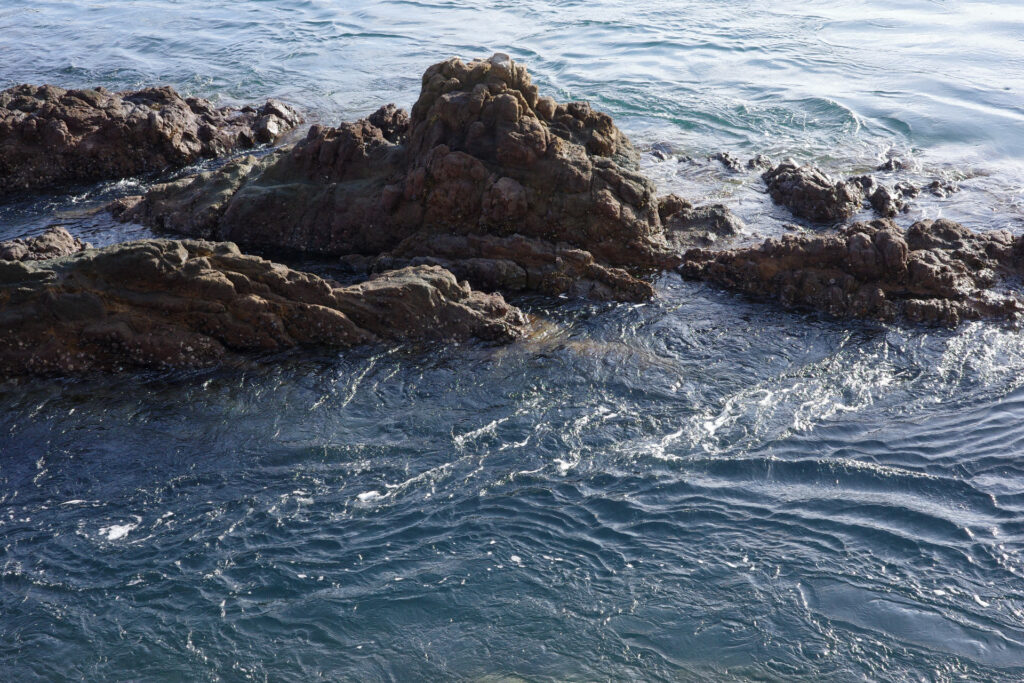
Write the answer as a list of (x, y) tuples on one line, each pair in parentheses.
[(484, 181)]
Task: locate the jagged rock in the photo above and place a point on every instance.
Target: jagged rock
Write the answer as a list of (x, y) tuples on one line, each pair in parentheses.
[(866, 183), (392, 122), (727, 160), (50, 136), (687, 226), (163, 303), (811, 194), (893, 164), (936, 271), (760, 161), (53, 243), (885, 202), (484, 154), (905, 189), (943, 189)]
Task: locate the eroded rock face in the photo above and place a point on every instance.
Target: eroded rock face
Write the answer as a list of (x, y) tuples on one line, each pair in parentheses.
[(50, 136), (810, 194), (936, 271), (53, 243), (482, 155), (162, 303)]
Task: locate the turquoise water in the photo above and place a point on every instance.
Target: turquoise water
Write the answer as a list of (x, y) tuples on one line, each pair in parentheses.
[(699, 488)]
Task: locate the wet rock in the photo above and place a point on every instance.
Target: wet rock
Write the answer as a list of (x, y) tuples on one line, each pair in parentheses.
[(936, 271), (866, 183), (905, 189), (163, 303), (943, 189), (727, 160), (53, 243), (662, 151), (50, 136), (484, 154), (811, 194), (760, 161), (885, 202), (893, 164), (688, 226)]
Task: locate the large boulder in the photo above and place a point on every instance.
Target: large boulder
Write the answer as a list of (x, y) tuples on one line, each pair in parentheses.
[(50, 136), (483, 161), (164, 303), (936, 271)]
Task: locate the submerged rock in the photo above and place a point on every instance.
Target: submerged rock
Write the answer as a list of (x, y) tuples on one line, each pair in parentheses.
[(163, 303), (662, 151), (484, 166), (810, 194), (688, 226), (727, 160), (943, 189), (50, 136), (936, 271), (53, 243)]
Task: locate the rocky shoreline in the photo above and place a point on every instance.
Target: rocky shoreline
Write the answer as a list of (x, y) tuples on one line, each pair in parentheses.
[(484, 184)]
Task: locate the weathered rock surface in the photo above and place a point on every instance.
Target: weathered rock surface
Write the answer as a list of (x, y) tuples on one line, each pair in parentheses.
[(810, 194), (727, 160), (50, 136), (886, 202), (936, 271), (163, 303), (687, 226), (53, 243), (484, 165)]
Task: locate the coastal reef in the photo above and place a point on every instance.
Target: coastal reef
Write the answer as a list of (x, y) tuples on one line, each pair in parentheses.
[(166, 303), (485, 176), (51, 137), (935, 271)]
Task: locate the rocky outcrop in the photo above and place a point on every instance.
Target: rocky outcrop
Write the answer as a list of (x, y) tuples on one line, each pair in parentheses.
[(810, 194), (162, 303), (53, 243), (484, 171), (936, 271), (50, 136)]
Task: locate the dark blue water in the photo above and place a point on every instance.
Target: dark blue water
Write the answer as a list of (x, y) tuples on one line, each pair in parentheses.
[(696, 488)]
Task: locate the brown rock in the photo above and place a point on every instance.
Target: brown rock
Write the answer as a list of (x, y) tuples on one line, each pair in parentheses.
[(937, 271), (481, 155), (50, 136), (53, 243), (811, 194), (161, 303)]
